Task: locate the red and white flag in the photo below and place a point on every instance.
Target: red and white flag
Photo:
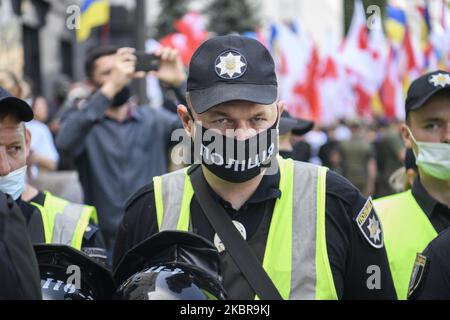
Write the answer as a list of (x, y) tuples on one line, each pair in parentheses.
[(411, 59), (297, 62), (336, 95), (191, 34), (358, 61), (391, 91)]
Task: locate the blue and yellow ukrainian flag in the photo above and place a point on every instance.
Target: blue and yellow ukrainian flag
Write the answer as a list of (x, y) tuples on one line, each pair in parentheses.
[(425, 24), (395, 24), (427, 46), (93, 13)]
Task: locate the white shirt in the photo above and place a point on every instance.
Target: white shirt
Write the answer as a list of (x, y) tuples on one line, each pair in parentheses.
[(42, 141)]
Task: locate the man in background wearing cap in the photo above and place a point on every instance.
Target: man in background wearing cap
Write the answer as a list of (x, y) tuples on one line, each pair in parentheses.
[(413, 218), (49, 219), (319, 245), (290, 127)]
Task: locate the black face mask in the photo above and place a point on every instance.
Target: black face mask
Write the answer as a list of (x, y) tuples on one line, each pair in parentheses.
[(286, 154), (121, 97), (235, 160)]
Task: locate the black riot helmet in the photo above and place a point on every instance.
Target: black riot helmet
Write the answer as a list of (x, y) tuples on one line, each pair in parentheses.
[(171, 265), (69, 274)]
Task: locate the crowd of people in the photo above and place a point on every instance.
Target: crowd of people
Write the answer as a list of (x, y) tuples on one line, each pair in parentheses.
[(366, 152), (93, 159), (86, 151)]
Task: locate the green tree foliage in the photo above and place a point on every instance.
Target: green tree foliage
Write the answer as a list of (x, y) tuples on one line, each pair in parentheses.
[(348, 9), (171, 10), (228, 16)]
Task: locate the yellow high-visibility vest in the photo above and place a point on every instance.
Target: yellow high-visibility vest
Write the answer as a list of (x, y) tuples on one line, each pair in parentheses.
[(295, 257), (65, 222), (407, 231)]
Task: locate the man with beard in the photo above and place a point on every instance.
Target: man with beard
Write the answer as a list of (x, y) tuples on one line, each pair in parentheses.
[(118, 148)]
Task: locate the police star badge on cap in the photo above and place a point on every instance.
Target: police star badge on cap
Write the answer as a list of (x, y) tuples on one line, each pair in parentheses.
[(230, 65), (440, 80)]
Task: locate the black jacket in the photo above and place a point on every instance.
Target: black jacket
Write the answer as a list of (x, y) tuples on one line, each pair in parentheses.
[(19, 272)]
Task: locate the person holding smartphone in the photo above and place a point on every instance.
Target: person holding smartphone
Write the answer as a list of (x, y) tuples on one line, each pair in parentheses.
[(118, 148)]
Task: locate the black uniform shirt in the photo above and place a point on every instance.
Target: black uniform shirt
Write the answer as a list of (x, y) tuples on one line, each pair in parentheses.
[(350, 254), (438, 213), (433, 282)]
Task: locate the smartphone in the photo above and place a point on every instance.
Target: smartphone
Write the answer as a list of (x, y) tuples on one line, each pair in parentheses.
[(146, 61)]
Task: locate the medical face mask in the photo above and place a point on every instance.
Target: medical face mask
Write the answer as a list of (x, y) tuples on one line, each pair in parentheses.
[(235, 160), (433, 158), (14, 183)]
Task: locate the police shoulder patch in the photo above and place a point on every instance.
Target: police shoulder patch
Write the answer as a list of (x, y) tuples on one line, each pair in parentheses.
[(370, 226), (417, 274)]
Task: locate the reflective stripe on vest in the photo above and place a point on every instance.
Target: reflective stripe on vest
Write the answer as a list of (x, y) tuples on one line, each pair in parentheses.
[(407, 231), (296, 256), (174, 198), (65, 222)]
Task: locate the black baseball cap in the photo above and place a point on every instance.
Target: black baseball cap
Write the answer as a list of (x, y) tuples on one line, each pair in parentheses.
[(425, 87), (228, 68), (24, 110), (297, 126)]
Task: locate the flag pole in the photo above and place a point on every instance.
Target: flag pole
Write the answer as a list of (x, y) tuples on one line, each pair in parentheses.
[(140, 32), (104, 34)]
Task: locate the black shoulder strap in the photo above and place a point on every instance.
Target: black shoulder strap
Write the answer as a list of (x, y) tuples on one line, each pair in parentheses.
[(236, 246)]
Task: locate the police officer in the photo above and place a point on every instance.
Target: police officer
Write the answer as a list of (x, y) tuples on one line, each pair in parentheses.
[(19, 271), (317, 235), (54, 208), (430, 279), (49, 219), (413, 218), (290, 127)]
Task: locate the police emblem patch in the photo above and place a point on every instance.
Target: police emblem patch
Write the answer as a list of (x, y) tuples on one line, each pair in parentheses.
[(440, 80), (230, 65), (370, 225), (417, 274)]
